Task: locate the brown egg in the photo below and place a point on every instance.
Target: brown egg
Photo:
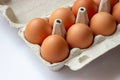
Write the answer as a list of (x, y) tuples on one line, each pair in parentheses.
[(97, 2), (103, 23), (65, 15), (54, 49), (79, 36), (37, 30), (90, 6), (116, 12)]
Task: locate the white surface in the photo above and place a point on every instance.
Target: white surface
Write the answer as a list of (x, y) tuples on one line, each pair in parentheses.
[(17, 62)]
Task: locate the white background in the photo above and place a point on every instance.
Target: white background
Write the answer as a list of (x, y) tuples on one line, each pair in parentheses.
[(17, 62)]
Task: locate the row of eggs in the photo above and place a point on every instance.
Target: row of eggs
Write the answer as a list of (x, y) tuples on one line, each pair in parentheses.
[(55, 48)]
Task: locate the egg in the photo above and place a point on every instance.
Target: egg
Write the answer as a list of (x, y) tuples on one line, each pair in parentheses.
[(90, 6), (97, 2), (112, 2), (37, 30), (65, 15), (79, 35), (116, 12), (103, 23), (54, 49)]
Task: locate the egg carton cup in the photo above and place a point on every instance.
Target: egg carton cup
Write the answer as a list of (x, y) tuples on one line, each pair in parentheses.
[(78, 58)]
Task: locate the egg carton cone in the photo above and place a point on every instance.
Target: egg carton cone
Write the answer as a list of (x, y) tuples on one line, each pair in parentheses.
[(104, 6), (58, 28), (18, 16), (82, 16)]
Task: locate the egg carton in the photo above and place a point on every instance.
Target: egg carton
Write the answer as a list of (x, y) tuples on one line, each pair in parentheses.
[(78, 58)]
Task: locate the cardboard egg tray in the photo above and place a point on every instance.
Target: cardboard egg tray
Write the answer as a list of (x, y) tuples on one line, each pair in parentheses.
[(18, 13)]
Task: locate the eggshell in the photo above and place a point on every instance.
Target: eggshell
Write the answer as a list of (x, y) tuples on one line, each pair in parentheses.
[(37, 30), (90, 6), (79, 36), (65, 15), (103, 23), (116, 12), (54, 49), (97, 2)]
